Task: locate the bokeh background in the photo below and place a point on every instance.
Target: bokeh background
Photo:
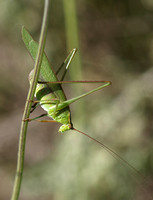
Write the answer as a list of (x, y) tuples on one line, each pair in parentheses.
[(116, 43)]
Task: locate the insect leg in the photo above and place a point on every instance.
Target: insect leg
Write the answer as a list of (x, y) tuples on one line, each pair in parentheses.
[(70, 101), (56, 108), (35, 118), (37, 102), (46, 121), (43, 101), (66, 62), (34, 106)]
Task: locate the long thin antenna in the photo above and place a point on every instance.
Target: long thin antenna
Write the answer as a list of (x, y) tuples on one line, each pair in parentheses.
[(113, 153), (119, 158)]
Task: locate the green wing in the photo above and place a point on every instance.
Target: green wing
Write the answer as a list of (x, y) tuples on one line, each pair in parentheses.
[(46, 72)]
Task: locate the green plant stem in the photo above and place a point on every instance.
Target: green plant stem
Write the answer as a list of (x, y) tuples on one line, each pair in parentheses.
[(72, 41), (24, 123)]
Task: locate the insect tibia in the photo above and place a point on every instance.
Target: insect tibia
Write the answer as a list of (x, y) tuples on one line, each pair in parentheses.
[(35, 118)]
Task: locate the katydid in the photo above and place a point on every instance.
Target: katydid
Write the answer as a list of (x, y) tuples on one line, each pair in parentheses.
[(51, 96), (49, 91)]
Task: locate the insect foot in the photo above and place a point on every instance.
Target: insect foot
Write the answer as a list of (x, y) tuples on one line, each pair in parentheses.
[(28, 119)]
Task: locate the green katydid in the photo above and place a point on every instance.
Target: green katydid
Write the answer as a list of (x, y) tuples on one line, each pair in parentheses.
[(51, 97), (49, 91)]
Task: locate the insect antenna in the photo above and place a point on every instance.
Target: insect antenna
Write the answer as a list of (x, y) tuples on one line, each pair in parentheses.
[(113, 153), (122, 161)]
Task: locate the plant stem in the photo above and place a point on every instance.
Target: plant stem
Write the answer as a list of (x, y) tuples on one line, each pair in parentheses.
[(26, 114), (72, 40)]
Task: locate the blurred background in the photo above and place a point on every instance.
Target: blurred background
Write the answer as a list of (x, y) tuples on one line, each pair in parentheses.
[(115, 43)]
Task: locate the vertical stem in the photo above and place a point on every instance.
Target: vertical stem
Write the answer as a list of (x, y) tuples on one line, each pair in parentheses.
[(24, 123), (72, 39)]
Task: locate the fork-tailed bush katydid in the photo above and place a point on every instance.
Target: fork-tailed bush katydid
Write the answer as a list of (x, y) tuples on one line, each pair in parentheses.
[(49, 92), (51, 97)]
